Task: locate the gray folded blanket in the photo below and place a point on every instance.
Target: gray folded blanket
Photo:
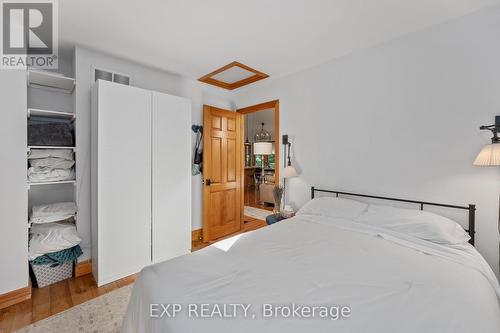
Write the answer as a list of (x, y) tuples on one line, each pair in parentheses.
[(50, 134)]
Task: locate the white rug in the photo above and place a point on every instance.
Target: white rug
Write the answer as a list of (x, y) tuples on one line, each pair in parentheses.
[(103, 314), (257, 213)]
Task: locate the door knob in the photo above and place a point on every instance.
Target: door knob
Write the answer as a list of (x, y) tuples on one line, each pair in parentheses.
[(208, 182)]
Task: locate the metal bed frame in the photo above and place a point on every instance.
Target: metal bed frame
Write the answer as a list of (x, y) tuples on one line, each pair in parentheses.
[(471, 208)]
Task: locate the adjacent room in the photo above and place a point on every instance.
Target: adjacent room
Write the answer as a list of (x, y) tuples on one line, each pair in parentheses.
[(250, 166), (259, 163)]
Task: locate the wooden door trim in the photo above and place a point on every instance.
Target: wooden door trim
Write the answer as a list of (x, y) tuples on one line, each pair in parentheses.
[(274, 104), (207, 168), (277, 140)]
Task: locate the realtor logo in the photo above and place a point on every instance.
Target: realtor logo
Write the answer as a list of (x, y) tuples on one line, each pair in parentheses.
[(29, 34)]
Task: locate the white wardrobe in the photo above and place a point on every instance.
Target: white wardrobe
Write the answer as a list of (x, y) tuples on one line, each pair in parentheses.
[(141, 179)]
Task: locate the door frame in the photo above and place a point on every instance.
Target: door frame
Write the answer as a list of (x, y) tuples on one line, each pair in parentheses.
[(274, 104)]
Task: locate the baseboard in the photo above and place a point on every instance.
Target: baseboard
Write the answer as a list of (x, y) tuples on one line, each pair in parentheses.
[(197, 235), (83, 268), (15, 296)]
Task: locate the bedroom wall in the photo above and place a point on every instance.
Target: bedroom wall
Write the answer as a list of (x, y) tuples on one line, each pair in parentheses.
[(143, 77), (399, 119)]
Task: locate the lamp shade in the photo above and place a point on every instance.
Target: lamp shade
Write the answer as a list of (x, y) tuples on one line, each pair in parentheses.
[(262, 148), (489, 155), (289, 172)]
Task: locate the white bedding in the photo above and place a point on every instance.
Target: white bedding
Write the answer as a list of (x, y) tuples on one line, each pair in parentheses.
[(391, 282)]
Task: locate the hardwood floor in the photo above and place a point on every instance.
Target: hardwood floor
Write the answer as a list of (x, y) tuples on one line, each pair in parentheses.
[(55, 298), (251, 199), (249, 225), (63, 295)]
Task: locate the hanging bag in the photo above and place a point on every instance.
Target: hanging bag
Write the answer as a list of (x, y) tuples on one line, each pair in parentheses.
[(198, 153)]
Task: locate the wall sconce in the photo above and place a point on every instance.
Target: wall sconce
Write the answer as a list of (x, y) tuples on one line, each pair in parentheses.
[(289, 170), (490, 154)]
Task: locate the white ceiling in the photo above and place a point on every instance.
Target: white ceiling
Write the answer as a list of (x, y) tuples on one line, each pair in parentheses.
[(278, 37)]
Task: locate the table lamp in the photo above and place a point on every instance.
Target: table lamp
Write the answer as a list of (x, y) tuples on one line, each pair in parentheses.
[(262, 148)]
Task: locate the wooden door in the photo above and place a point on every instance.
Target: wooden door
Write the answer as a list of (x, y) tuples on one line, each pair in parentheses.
[(222, 172)]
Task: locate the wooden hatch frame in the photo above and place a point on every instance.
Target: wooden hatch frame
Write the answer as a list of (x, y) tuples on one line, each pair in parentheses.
[(231, 86)]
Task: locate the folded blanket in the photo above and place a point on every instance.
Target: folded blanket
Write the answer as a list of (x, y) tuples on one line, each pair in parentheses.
[(50, 134), (53, 212), (51, 237), (52, 162), (44, 153), (36, 174), (59, 257), (53, 219)]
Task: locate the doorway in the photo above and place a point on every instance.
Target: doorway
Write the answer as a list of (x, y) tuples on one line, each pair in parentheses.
[(260, 161), (233, 167)]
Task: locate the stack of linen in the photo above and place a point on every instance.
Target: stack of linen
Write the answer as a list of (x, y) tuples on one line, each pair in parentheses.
[(51, 165), (54, 242)]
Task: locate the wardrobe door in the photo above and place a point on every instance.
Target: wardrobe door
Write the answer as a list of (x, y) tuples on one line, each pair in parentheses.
[(171, 178), (123, 181)]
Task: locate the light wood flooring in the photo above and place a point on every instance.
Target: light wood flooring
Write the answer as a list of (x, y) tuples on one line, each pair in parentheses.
[(55, 298)]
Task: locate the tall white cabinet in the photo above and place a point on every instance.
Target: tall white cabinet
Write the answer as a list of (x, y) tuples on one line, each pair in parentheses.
[(141, 181)]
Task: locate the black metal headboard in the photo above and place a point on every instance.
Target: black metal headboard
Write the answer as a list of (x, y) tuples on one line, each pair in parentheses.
[(471, 208)]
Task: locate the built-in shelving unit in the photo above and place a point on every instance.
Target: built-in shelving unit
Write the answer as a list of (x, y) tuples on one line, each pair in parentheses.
[(50, 114), (48, 93), (51, 81)]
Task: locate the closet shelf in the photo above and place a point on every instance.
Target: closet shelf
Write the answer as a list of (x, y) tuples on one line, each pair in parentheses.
[(50, 81), (50, 114), (51, 183), (50, 147)]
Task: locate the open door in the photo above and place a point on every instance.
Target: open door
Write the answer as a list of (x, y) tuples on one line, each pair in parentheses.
[(222, 172)]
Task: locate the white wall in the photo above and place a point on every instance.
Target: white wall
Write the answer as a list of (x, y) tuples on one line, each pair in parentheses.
[(143, 77), (399, 119), (13, 192)]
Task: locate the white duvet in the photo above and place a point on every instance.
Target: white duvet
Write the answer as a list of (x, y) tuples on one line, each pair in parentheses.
[(390, 282)]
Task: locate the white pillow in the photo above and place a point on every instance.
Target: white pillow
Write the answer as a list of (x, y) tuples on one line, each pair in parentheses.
[(416, 223), (53, 237), (53, 212), (333, 207)]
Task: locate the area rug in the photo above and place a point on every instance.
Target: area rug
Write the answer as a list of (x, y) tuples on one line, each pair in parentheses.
[(103, 314), (256, 213)]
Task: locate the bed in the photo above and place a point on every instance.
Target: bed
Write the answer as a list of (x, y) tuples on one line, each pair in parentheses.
[(390, 270)]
